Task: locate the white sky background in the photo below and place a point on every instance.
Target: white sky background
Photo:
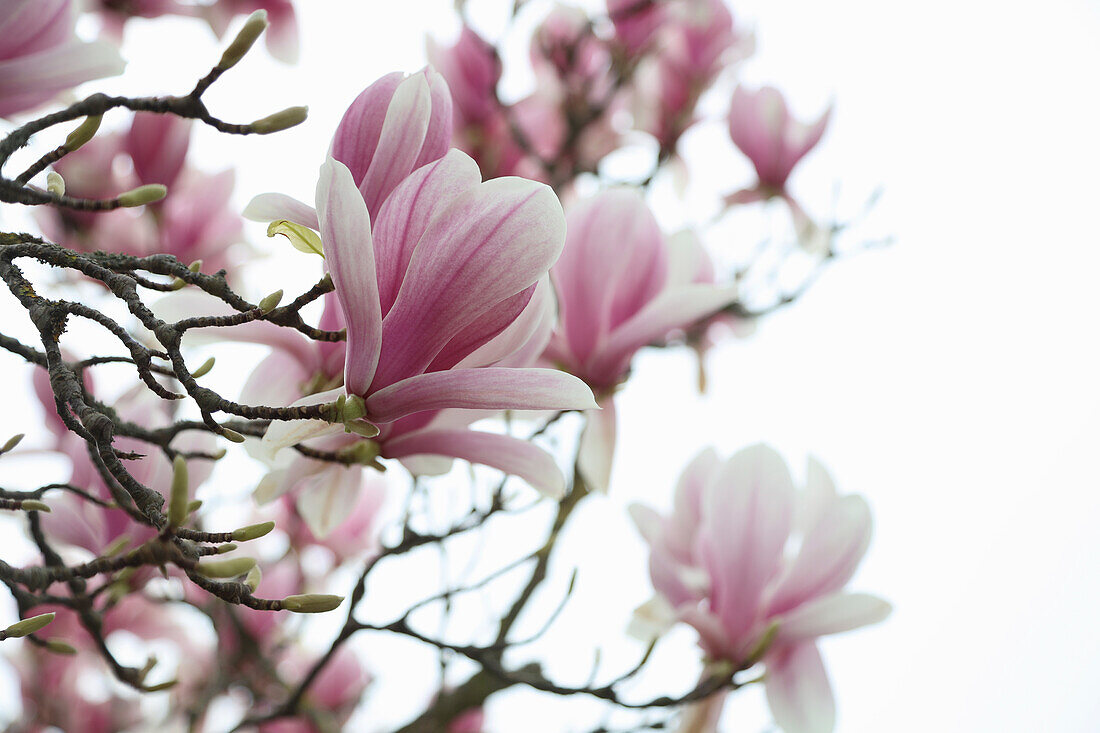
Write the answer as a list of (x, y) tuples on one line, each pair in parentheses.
[(950, 378)]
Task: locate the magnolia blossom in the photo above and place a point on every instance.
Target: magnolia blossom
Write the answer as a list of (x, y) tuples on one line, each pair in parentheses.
[(725, 563), (697, 40), (334, 694), (636, 21), (762, 127), (281, 35), (41, 56), (620, 286), (193, 223)]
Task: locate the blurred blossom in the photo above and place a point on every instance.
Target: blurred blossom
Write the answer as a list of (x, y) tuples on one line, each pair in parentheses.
[(281, 35), (620, 286), (636, 21), (41, 56), (194, 222), (332, 696), (354, 531), (723, 563)]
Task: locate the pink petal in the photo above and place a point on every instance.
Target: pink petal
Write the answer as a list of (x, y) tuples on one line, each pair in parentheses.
[(356, 137), (521, 343), (677, 308), (798, 690), (349, 253), (400, 140), (510, 455), (492, 242), (157, 145), (408, 210), (490, 388), (285, 433), (829, 555), (596, 452), (485, 328), (276, 206), (831, 614), (746, 521), (28, 81)]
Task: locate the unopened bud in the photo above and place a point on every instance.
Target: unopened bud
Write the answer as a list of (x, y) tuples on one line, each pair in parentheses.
[(226, 548), (302, 238), (193, 506), (178, 498), (55, 184), (142, 195), (311, 603), (33, 505), (354, 408), (195, 266), (281, 120), (177, 284), (28, 625), (203, 370), (252, 580), (248, 34), (82, 134), (253, 531), (60, 646), (230, 567), (232, 435), (270, 302), (12, 442)]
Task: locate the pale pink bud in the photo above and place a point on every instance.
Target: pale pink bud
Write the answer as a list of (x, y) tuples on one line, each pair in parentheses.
[(761, 125)]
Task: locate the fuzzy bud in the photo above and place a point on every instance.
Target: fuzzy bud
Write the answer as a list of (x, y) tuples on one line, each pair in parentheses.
[(193, 506), (230, 567), (271, 302), (12, 442), (311, 603), (252, 580), (203, 370), (281, 120), (82, 134), (195, 266), (142, 195), (253, 531), (33, 505), (28, 625), (253, 26), (232, 435), (55, 184), (226, 548), (178, 498), (60, 646)]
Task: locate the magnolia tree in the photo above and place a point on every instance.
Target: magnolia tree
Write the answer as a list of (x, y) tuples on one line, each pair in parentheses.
[(483, 288)]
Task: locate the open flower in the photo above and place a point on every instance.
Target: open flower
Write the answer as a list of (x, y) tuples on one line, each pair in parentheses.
[(722, 563), (620, 287), (41, 56)]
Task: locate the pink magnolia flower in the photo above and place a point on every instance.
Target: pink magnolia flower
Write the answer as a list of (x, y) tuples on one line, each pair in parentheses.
[(698, 40), (41, 56), (763, 129), (395, 126), (620, 287), (636, 21), (721, 562), (335, 692), (472, 69)]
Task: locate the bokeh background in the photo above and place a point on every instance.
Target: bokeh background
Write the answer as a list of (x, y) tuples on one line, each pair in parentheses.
[(951, 377)]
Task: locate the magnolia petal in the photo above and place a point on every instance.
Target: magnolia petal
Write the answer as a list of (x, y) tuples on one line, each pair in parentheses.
[(349, 250), (831, 614), (493, 241), (651, 620), (277, 206), (329, 497), (596, 452), (490, 388), (157, 145), (798, 690), (830, 553), (482, 330), (27, 81), (285, 433), (510, 455), (400, 140), (746, 521), (678, 308), (408, 210), (273, 485)]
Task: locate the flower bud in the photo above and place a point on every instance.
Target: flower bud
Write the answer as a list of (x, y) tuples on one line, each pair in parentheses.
[(12, 442), (253, 531), (178, 498), (203, 370), (33, 505), (232, 435), (311, 603), (55, 184), (230, 567), (28, 625), (226, 548), (252, 580), (142, 195), (193, 505), (83, 133), (301, 238), (60, 646), (253, 26), (270, 302), (195, 266), (281, 120)]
